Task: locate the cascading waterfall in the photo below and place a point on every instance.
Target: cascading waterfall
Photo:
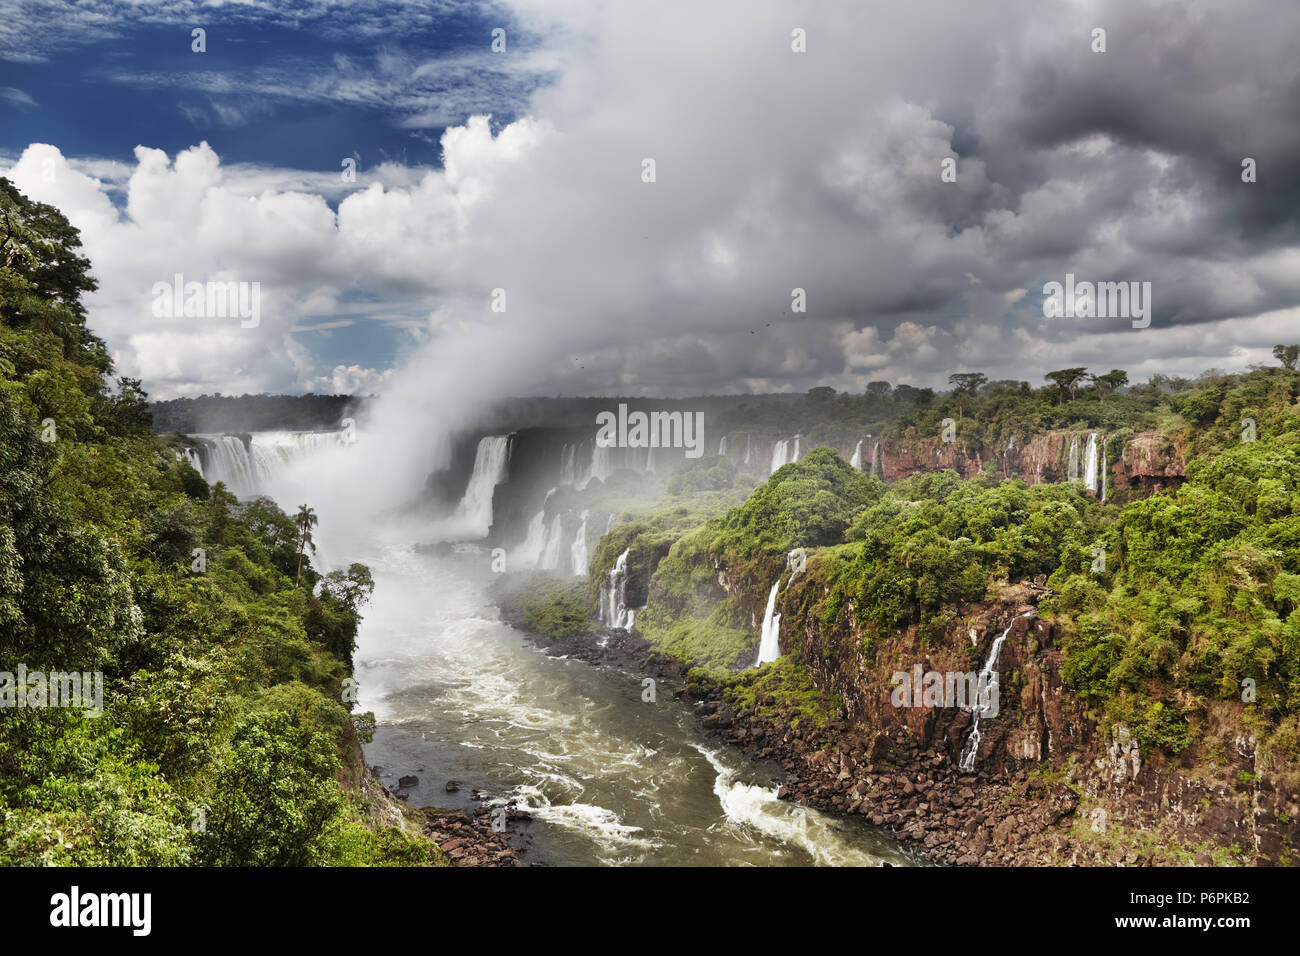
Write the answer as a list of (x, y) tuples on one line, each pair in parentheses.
[(988, 684), (1072, 473), (1090, 464), (856, 460), (247, 468), (567, 456), (747, 449), (769, 647), (190, 455), (875, 456), (490, 461), (531, 552), (578, 552), (780, 454), (551, 552), (601, 466), (722, 447), (581, 474), (614, 609), (795, 456)]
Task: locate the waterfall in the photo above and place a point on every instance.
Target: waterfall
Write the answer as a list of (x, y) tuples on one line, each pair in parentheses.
[(192, 456), (610, 523), (246, 468), (747, 449), (1073, 473), (1104, 468), (795, 456), (530, 553), (551, 551), (856, 460), (722, 447), (490, 460), (780, 455), (614, 602), (1090, 464), (988, 686), (578, 552), (600, 464), (875, 455), (581, 477), (769, 647), (567, 456)]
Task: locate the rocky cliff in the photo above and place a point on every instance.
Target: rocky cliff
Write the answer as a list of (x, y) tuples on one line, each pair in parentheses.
[(1049, 784)]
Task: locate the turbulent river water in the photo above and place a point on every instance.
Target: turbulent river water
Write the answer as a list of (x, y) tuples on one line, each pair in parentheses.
[(606, 777)]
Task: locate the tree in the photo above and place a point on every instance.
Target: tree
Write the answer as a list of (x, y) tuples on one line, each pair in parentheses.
[(274, 797), (44, 276), (1288, 355), (821, 393), (305, 520), (1067, 380), (1109, 383), (968, 382), (351, 588), (878, 389)]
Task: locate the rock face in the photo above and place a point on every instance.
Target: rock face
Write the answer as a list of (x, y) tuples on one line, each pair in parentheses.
[(1147, 460), (1151, 461), (1049, 785)]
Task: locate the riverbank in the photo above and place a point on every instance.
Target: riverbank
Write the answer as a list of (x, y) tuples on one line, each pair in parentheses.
[(1098, 807)]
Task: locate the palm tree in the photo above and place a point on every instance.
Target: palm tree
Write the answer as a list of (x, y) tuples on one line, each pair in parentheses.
[(305, 520)]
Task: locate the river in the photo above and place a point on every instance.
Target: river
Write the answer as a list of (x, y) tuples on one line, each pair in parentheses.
[(608, 778)]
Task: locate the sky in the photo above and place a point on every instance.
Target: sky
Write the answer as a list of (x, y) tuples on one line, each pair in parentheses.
[(499, 236)]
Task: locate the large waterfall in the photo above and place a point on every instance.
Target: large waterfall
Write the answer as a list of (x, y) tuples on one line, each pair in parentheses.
[(551, 552), (875, 458), (1072, 474), (603, 462), (987, 685), (530, 553), (490, 461), (568, 456), (1090, 464), (613, 602), (578, 552), (856, 460), (769, 647), (192, 456), (780, 455), (247, 466)]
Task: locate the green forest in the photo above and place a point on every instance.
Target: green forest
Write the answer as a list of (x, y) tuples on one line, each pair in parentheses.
[(1195, 598), (226, 737)]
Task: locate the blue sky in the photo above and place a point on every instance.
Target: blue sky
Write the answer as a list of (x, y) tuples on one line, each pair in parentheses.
[(273, 90)]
